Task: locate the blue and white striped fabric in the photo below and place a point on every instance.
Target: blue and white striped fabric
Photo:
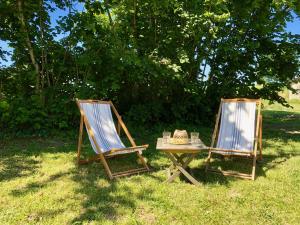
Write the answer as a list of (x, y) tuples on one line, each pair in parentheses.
[(101, 122), (237, 126)]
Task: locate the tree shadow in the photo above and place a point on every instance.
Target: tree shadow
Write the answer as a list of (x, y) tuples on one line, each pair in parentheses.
[(17, 166), (278, 125), (19, 158), (37, 186), (282, 125), (206, 178), (243, 165), (102, 199), (105, 199), (37, 218), (270, 162)]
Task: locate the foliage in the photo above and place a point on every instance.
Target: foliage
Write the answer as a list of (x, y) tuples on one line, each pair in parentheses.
[(167, 60)]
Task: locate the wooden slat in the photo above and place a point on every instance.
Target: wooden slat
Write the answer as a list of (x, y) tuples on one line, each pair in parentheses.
[(143, 161), (92, 101), (256, 140), (129, 172), (187, 148), (126, 150), (232, 173), (119, 128), (91, 159), (216, 150), (129, 148), (183, 150), (240, 100), (80, 138), (260, 137), (214, 136)]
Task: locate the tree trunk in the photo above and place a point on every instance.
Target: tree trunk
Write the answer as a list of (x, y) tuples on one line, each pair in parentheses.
[(29, 45), (42, 47), (134, 20)]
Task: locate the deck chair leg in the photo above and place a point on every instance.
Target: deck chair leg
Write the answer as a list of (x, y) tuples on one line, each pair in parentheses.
[(260, 138), (119, 128), (253, 168), (80, 139), (260, 154), (143, 160), (260, 149), (106, 167), (208, 161)]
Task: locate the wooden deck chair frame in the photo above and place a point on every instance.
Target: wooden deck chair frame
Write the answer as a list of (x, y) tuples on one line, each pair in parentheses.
[(257, 142), (113, 152)]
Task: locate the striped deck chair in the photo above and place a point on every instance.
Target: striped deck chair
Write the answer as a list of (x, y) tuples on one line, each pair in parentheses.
[(238, 130), (104, 138)]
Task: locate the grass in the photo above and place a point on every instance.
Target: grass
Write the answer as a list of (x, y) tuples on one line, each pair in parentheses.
[(40, 183)]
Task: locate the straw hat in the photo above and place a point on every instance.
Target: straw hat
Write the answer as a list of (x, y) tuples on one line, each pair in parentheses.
[(180, 137)]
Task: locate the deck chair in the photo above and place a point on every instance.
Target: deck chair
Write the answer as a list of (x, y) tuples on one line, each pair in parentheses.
[(238, 130), (103, 135)]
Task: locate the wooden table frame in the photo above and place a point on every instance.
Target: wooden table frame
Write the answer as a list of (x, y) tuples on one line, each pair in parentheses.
[(181, 156)]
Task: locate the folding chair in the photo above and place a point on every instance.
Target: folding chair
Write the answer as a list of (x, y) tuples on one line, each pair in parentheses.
[(238, 131), (104, 138)]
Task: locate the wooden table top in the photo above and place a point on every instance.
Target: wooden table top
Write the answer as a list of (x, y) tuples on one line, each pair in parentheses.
[(188, 148)]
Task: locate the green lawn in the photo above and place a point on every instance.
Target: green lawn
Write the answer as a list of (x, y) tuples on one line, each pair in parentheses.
[(40, 183)]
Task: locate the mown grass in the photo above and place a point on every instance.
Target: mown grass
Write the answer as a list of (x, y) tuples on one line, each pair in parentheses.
[(40, 183)]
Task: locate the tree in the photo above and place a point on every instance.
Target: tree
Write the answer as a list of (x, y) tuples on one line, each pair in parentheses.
[(158, 61)]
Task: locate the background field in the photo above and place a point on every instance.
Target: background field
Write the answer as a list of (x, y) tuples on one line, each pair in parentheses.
[(40, 183)]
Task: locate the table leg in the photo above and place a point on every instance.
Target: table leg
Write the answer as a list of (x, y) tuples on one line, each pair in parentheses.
[(180, 158), (179, 166), (188, 176), (170, 170)]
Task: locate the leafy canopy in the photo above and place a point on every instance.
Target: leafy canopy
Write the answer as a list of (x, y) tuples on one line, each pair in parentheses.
[(158, 60)]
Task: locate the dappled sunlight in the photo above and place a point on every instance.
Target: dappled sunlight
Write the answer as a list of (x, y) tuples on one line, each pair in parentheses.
[(41, 183), (112, 199), (165, 65), (14, 167), (296, 132), (237, 126)]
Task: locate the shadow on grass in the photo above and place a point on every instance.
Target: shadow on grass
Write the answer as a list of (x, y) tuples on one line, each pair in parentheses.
[(36, 186), (37, 218), (20, 157), (105, 199), (280, 126), (17, 166), (102, 199), (243, 165)]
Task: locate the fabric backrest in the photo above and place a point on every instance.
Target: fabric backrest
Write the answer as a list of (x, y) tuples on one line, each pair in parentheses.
[(237, 126), (100, 119)]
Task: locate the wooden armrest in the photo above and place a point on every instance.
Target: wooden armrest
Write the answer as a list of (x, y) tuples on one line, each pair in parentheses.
[(130, 148), (127, 150), (230, 150)]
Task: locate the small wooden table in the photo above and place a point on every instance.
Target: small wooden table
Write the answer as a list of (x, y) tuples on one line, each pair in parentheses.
[(180, 156)]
